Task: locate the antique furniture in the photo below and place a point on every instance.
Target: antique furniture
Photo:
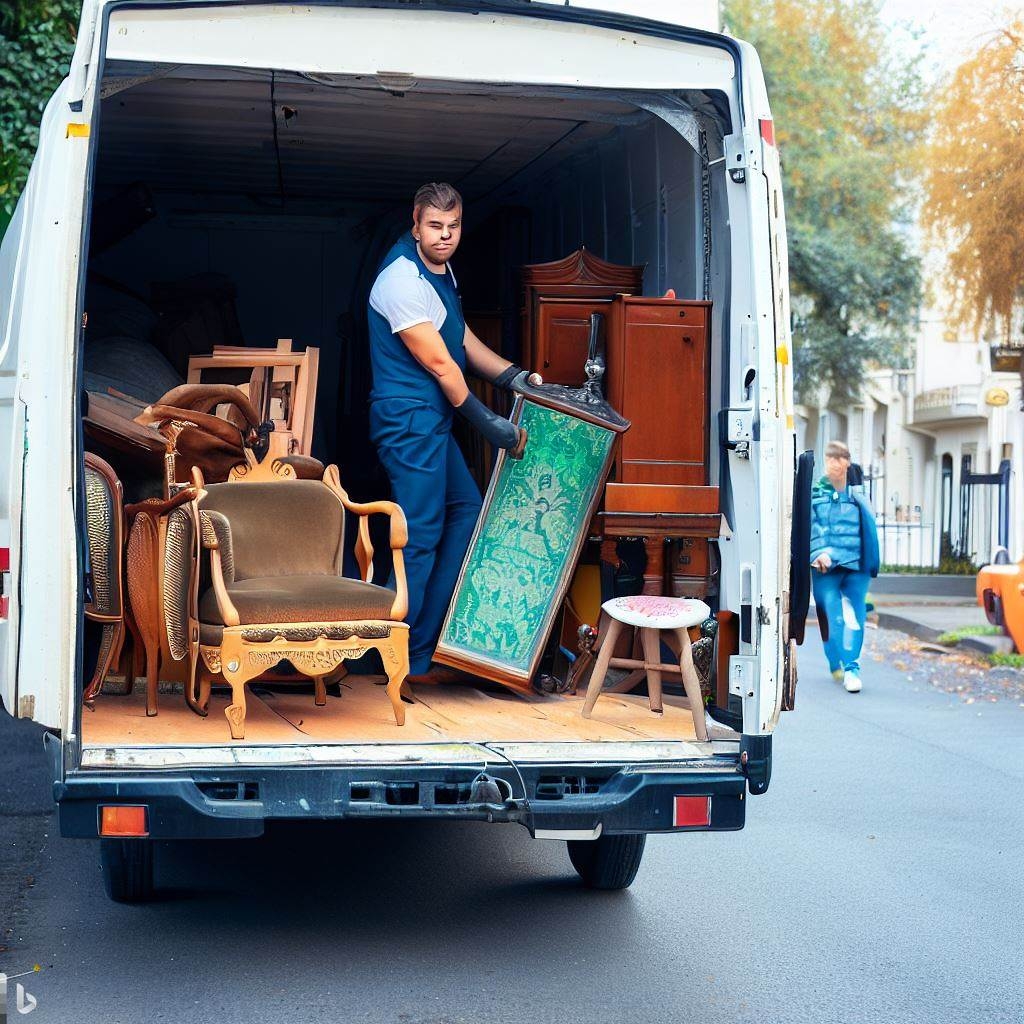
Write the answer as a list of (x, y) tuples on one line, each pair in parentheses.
[(104, 517), (532, 526), (261, 582), (651, 615), (558, 299), (280, 384), (146, 583)]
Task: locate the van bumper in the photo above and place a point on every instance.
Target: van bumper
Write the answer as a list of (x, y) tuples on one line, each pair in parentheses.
[(552, 801)]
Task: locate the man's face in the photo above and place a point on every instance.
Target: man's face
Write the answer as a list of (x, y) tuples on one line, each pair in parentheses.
[(438, 232)]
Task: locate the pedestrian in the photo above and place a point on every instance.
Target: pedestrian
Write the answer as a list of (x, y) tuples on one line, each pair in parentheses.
[(844, 557), (420, 348)]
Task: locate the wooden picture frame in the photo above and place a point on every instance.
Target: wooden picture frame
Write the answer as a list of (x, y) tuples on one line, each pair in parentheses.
[(532, 526)]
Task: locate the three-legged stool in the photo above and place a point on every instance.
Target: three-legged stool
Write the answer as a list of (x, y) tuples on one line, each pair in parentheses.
[(652, 614)]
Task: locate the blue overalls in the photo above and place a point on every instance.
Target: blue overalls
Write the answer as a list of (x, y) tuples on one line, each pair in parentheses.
[(410, 423)]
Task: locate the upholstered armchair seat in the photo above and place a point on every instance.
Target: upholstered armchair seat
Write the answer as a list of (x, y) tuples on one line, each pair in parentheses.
[(299, 599)]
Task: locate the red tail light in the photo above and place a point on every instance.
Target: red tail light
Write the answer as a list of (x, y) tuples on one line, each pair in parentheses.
[(691, 811), (119, 820)]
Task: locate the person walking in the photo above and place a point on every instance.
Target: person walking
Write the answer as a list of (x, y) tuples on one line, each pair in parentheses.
[(844, 557)]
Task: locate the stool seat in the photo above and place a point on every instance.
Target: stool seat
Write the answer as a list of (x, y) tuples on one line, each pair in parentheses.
[(652, 612)]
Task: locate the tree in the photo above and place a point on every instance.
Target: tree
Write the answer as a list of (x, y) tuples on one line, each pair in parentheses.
[(37, 38), (849, 113), (975, 182)]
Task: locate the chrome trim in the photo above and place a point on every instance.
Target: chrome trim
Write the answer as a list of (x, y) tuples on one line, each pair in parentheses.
[(586, 834)]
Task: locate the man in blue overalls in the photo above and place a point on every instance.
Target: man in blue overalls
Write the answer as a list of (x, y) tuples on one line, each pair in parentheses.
[(420, 348)]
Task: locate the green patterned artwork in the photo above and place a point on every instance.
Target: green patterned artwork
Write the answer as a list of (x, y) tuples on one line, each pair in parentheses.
[(522, 555)]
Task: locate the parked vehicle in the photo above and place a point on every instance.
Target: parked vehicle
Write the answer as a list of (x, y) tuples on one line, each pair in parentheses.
[(277, 144)]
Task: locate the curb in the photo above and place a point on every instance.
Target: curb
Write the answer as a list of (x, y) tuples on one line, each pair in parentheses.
[(888, 620)]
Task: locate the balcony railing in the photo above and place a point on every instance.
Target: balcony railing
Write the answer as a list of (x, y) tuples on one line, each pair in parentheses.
[(959, 401)]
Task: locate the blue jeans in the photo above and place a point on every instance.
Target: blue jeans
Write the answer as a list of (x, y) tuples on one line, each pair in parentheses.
[(441, 501), (844, 643)]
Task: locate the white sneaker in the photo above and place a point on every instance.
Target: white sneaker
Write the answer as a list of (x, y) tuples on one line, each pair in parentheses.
[(852, 682)]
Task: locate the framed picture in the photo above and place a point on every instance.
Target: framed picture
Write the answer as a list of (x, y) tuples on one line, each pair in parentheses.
[(528, 537)]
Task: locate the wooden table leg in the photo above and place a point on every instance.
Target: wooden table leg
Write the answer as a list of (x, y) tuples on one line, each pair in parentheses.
[(691, 684), (654, 574), (601, 668), (652, 656)]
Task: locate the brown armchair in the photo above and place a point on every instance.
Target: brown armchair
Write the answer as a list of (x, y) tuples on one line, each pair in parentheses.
[(254, 567)]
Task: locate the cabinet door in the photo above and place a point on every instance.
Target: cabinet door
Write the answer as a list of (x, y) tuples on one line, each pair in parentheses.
[(563, 336), (664, 395)]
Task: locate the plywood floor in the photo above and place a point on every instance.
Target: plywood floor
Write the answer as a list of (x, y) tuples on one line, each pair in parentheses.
[(362, 714)]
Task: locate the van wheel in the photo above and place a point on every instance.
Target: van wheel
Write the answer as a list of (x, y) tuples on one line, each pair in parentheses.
[(127, 866), (610, 862)]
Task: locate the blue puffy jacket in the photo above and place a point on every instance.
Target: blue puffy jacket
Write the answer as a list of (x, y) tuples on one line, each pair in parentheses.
[(843, 526)]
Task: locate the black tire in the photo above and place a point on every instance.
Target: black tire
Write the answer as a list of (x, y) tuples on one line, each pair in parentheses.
[(610, 862), (127, 866)]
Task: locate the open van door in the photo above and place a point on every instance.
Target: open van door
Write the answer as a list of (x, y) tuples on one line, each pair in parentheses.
[(40, 314)]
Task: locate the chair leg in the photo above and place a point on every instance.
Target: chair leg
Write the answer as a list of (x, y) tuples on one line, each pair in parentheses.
[(691, 683), (152, 676), (205, 684), (604, 656), (652, 655), (235, 712), (319, 691), (395, 656)]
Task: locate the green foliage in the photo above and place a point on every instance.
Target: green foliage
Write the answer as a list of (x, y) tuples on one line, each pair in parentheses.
[(37, 38), (1006, 659), (849, 113), (954, 636)]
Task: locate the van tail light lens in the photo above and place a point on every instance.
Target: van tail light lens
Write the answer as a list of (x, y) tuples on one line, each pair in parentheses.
[(767, 130), (119, 820), (692, 811)]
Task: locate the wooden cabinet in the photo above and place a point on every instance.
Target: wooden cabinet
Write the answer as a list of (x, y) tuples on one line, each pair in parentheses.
[(558, 299), (658, 379)]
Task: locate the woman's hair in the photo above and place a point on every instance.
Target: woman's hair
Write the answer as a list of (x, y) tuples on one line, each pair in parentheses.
[(438, 194), (837, 450)]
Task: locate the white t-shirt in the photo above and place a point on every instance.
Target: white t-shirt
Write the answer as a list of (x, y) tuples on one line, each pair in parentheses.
[(404, 297)]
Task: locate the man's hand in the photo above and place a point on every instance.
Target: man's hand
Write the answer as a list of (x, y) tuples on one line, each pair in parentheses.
[(822, 563)]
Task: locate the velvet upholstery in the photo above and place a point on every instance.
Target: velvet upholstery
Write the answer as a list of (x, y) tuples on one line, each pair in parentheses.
[(305, 598), (291, 528)]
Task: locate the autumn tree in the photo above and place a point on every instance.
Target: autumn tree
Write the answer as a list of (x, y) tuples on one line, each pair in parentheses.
[(975, 182), (37, 38), (849, 113)]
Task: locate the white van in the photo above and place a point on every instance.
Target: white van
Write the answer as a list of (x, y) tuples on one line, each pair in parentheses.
[(281, 144)]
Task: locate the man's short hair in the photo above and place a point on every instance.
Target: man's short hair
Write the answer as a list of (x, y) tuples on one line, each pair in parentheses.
[(837, 450), (438, 194)]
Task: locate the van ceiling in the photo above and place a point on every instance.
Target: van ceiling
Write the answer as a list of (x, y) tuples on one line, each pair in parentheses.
[(210, 130)]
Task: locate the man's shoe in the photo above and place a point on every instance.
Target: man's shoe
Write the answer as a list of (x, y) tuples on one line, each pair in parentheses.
[(837, 674), (852, 682)]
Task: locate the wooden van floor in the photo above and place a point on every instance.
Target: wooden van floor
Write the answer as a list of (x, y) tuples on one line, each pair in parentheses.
[(362, 714)]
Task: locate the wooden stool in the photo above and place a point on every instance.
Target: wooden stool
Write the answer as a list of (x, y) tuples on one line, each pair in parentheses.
[(653, 614)]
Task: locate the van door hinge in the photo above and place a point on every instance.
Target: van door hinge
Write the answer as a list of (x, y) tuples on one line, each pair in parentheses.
[(739, 431), (742, 152)]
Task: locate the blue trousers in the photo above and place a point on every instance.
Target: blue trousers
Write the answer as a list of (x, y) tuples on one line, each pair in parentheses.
[(441, 501), (845, 630)]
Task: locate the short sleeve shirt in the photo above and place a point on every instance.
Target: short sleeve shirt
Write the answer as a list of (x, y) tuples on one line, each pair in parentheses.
[(406, 293)]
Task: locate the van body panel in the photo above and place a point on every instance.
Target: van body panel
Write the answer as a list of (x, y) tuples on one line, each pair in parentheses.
[(43, 310), (431, 44)]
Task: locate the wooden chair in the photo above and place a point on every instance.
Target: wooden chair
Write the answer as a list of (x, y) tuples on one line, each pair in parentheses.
[(260, 582), (104, 516), (653, 614)]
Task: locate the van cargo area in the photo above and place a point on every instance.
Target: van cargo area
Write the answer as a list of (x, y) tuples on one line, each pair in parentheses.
[(239, 207)]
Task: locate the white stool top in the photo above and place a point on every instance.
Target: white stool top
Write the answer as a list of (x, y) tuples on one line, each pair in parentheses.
[(652, 612)]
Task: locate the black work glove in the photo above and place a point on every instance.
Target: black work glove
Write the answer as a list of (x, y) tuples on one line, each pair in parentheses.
[(499, 431), (512, 378)]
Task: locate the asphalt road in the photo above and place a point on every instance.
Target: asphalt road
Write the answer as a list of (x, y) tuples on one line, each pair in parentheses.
[(879, 879)]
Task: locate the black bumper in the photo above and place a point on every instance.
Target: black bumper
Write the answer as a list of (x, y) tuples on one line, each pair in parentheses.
[(236, 803)]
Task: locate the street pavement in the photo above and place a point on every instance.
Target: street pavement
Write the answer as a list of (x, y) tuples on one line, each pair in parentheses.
[(879, 880)]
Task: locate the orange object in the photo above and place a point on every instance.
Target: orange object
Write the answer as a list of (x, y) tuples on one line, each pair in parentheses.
[(119, 820), (1000, 590)]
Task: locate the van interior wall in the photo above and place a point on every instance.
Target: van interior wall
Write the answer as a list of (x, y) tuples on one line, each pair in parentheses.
[(302, 264)]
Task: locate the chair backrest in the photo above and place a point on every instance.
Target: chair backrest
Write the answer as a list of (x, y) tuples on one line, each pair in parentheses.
[(286, 528), (104, 514)]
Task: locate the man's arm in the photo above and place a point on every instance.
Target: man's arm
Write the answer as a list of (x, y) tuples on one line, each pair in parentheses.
[(424, 341), (481, 360)]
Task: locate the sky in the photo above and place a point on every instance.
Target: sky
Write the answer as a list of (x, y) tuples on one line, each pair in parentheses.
[(952, 30)]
